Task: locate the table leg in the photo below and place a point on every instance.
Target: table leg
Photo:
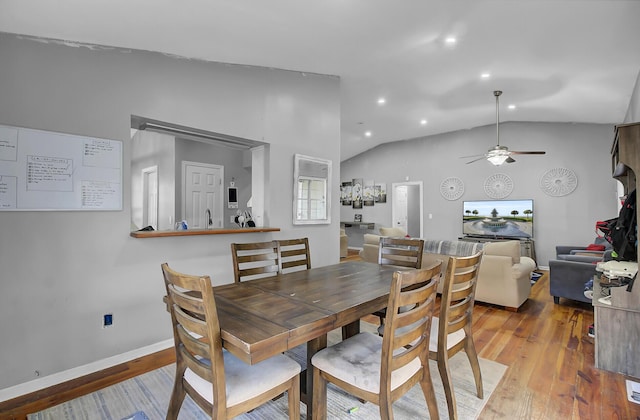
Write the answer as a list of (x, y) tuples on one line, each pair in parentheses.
[(350, 330), (313, 347)]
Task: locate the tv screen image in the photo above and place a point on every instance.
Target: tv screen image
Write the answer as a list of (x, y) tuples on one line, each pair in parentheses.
[(498, 218)]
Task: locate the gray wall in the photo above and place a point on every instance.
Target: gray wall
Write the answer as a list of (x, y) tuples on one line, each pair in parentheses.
[(633, 113), (61, 271), (583, 148)]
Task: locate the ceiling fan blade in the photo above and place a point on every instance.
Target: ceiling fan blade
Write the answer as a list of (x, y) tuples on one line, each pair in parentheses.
[(472, 156), (475, 160), (510, 160), (529, 153)]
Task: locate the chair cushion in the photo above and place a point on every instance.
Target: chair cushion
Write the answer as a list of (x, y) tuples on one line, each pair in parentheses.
[(506, 248), (356, 361), (452, 339), (245, 381), (393, 232)]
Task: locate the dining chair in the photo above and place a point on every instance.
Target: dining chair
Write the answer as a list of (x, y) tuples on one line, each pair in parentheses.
[(221, 384), (294, 254), (402, 252), (382, 369), (451, 330), (255, 260)]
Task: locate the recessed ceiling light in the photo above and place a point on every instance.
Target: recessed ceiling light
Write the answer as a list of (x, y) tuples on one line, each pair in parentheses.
[(450, 40), (382, 101), (485, 75), (367, 133), (423, 122), (512, 106)]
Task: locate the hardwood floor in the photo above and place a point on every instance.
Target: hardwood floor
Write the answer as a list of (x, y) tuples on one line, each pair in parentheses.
[(551, 371)]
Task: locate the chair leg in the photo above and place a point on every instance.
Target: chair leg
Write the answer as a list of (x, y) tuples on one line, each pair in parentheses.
[(294, 398), (177, 397), (386, 411), (426, 383), (445, 374), (470, 349), (319, 405)]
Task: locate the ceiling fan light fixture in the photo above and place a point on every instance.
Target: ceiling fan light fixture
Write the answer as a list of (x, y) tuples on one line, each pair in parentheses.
[(498, 159)]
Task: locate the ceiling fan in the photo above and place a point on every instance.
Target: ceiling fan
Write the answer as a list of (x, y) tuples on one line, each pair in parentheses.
[(500, 154)]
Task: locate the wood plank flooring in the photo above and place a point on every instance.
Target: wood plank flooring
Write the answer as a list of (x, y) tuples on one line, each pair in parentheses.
[(551, 372)]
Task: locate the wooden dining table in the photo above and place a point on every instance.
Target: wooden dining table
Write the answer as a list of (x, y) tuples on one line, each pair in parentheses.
[(264, 317)]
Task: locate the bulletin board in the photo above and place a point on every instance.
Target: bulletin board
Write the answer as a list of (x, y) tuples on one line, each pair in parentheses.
[(44, 170)]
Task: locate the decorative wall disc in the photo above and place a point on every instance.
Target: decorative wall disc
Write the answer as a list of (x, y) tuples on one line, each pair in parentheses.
[(498, 186), (452, 188), (557, 182)]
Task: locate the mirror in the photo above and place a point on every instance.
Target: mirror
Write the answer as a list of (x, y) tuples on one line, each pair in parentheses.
[(311, 190)]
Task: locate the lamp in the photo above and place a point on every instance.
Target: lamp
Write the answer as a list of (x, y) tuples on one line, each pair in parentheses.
[(497, 159)]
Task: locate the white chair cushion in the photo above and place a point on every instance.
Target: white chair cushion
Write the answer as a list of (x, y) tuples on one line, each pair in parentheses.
[(356, 361), (452, 339), (245, 381)]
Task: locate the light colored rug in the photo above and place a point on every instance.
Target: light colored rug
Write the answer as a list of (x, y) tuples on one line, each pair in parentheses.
[(150, 393)]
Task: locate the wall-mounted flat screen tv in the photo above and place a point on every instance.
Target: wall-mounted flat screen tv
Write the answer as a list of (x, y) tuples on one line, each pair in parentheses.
[(498, 218)]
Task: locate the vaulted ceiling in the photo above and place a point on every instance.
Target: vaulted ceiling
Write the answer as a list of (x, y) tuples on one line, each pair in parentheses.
[(435, 63)]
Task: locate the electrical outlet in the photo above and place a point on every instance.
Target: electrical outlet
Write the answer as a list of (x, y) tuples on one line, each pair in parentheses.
[(107, 320), (232, 219)]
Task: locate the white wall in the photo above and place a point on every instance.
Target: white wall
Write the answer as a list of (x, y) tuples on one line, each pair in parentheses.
[(570, 220), (61, 271)]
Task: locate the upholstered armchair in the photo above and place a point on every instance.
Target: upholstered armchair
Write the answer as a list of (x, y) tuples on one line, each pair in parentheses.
[(344, 243), (573, 267), (504, 277)]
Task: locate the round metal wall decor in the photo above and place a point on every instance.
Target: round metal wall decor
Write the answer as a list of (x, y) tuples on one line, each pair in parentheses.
[(452, 188), (557, 182), (498, 186)]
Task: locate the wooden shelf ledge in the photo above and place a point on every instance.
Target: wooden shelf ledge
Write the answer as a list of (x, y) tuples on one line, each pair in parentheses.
[(165, 233)]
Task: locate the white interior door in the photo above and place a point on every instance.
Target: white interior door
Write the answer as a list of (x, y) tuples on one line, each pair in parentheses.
[(406, 207), (150, 197), (399, 209), (202, 191)]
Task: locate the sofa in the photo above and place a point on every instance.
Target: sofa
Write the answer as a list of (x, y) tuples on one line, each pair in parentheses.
[(573, 267), (504, 277)]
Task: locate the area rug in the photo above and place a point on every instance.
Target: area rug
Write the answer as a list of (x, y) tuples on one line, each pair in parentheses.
[(148, 396)]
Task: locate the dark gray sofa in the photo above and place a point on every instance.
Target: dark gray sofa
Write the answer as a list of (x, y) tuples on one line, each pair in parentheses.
[(567, 279), (569, 272)]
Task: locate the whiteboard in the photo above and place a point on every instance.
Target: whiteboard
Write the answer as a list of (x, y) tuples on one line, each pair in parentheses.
[(44, 170)]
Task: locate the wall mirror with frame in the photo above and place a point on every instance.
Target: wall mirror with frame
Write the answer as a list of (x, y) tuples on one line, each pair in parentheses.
[(311, 190)]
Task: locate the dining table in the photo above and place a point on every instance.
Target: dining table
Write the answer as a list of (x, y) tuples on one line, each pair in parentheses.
[(264, 317)]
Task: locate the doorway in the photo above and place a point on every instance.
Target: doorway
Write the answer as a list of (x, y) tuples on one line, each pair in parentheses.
[(202, 191), (406, 207), (150, 197)]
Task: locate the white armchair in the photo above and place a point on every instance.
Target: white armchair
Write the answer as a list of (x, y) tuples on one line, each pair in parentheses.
[(505, 276)]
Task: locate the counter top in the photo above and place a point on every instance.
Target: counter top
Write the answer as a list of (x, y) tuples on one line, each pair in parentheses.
[(224, 231)]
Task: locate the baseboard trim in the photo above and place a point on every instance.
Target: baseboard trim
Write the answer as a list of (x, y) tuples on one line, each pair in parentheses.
[(77, 372)]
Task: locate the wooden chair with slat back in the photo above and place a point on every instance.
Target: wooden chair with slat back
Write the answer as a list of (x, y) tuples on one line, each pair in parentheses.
[(255, 260), (451, 330), (382, 369), (294, 254), (402, 252), (203, 367)]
